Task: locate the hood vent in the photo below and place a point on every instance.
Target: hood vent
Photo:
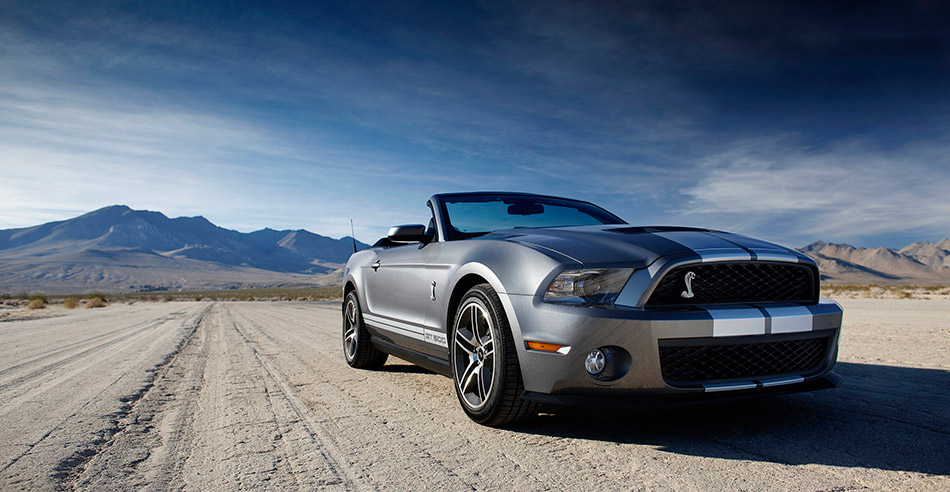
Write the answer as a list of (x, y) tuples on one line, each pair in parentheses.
[(651, 229)]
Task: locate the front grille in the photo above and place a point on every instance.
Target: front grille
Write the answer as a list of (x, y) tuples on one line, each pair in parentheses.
[(736, 283), (691, 361)]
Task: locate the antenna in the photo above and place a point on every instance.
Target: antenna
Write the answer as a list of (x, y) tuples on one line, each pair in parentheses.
[(353, 235)]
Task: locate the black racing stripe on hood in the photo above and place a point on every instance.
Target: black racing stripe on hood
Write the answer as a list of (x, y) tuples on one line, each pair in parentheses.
[(665, 246), (747, 250)]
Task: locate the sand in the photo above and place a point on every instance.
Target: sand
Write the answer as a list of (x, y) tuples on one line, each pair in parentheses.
[(228, 396)]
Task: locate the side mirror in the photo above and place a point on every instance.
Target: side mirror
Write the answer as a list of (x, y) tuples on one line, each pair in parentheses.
[(413, 233)]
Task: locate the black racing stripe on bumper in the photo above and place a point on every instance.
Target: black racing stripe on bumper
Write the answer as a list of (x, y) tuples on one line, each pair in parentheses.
[(819, 309), (694, 313), (768, 318)]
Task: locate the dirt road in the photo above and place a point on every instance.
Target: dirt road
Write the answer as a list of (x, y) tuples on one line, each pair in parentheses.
[(226, 396)]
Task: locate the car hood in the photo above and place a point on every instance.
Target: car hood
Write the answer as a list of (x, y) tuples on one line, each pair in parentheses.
[(638, 247)]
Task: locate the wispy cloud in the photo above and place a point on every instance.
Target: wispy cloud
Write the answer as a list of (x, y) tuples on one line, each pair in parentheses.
[(851, 191), (68, 149), (310, 117)]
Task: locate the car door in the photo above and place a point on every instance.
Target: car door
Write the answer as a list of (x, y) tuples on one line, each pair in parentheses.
[(396, 285), (397, 293)]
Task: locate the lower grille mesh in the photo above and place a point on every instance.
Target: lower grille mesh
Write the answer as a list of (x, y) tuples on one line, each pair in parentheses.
[(706, 363)]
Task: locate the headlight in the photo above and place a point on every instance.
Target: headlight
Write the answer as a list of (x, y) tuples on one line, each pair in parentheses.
[(594, 286)]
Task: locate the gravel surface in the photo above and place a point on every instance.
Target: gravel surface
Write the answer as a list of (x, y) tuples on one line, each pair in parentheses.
[(224, 396)]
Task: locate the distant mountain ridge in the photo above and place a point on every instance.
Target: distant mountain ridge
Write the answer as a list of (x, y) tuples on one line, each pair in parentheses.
[(117, 248), (925, 263)]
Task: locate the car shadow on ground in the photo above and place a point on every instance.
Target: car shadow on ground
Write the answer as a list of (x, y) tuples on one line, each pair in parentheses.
[(884, 417)]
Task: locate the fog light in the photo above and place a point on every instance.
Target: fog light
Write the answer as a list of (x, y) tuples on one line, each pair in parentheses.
[(608, 363), (595, 363)]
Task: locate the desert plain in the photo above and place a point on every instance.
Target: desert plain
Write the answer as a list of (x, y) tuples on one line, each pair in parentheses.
[(256, 396)]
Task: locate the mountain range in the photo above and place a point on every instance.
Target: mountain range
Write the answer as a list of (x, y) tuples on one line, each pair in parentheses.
[(920, 263), (119, 249)]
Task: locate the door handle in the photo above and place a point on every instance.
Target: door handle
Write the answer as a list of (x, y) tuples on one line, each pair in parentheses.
[(376, 266)]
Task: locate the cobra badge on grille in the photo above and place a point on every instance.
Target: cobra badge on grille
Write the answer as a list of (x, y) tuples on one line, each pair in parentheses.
[(688, 278)]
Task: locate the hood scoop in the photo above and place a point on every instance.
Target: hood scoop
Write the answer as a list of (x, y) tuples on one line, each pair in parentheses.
[(652, 229)]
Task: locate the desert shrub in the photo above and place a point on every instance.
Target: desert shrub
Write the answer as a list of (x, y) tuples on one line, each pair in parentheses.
[(36, 304), (70, 303), (95, 302), (97, 295), (6, 297), (39, 297)]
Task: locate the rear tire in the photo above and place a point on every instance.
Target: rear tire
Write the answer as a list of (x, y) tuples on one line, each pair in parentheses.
[(484, 361), (358, 351)]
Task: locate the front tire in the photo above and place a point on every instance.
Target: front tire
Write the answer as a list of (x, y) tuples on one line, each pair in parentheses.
[(358, 351), (484, 361)]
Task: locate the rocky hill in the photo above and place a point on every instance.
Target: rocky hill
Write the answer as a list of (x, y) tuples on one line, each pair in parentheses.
[(921, 263), (116, 248)]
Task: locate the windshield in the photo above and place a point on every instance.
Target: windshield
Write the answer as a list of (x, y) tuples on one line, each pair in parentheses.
[(474, 215)]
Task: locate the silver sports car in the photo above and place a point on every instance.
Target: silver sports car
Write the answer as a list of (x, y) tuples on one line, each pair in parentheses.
[(525, 299)]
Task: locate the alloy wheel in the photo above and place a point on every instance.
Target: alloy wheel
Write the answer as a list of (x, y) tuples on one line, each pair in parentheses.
[(474, 355), (350, 329)]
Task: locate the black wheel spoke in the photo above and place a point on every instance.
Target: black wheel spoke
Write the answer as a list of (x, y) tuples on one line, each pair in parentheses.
[(482, 391), (464, 342)]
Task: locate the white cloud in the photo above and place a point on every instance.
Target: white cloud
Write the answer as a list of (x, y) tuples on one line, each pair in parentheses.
[(293, 131), (66, 151), (851, 191)]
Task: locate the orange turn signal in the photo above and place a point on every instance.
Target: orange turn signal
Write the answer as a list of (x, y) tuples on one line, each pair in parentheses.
[(547, 347)]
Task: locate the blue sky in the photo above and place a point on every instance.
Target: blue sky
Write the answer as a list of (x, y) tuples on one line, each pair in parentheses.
[(789, 121)]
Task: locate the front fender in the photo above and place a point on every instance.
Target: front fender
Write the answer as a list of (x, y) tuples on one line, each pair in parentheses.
[(353, 273), (511, 270)]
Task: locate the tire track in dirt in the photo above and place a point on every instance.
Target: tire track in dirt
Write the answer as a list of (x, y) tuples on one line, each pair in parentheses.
[(395, 413), (71, 360), (423, 463), (69, 470), (72, 410), (247, 434), (334, 458), (216, 418), (40, 359), (56, 373)]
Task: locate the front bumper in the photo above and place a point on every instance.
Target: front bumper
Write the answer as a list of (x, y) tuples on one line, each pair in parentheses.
[(640, 332), (602, 399)]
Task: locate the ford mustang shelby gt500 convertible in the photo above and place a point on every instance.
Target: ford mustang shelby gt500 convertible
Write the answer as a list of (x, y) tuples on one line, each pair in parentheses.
[(525, 299)]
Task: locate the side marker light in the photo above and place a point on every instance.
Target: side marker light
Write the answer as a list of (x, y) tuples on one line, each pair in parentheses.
[(547, 347)]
